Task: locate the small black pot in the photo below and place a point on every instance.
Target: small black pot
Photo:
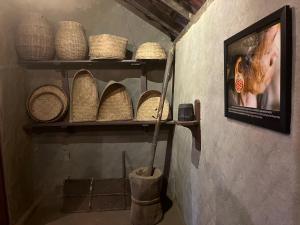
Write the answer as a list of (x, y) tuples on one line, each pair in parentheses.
[(186, 112)]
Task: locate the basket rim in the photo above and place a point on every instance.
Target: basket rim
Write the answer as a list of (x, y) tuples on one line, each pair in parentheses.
[(69, 21), (108, 35), (29, 109)]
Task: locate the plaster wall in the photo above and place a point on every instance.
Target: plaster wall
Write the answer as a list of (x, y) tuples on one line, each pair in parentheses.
[(246, 175), (16, 145)]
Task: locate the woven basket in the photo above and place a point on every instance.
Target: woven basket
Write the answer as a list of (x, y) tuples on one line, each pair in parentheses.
[(34, 38), (106, 46), (45, 107), (85, 99), (70, 41), (55, 90), (150, 50), (148, 104), (115, 103)]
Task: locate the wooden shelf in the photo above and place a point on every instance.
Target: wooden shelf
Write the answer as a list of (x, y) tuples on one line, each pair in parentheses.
[(91, 126), (92, 64), (187, 123)]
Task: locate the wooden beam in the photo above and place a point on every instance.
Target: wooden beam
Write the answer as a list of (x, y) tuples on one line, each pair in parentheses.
[(177, 7)]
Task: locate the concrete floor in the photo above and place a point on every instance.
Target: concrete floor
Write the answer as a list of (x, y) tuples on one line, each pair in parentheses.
[(48, 213)]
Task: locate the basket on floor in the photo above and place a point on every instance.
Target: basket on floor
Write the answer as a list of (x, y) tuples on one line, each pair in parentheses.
[(70, 41), (106, 46), (84, 98), (115, 103), (35, 38), (150, 50), (148, 104), (47, 103)]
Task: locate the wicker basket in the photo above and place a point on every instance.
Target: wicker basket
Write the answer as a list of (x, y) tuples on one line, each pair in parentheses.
[(148, 104), (115, 103), (45, 107), (70, 41), (35, 38), (150, 50), (106, 46), (37, 96), (85, 98)]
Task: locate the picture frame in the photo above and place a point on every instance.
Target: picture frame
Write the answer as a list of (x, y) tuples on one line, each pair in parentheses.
[(258, 72)]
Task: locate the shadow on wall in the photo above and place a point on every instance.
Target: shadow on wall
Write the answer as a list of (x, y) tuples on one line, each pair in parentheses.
[(226, 206)]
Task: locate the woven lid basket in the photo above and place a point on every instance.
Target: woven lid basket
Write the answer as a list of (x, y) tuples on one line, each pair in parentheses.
[(37, 97), (148, 104), (85, 98), (45, 107), (106, 46), (34, 38), (70, 41), (150, 50), (115, 103)]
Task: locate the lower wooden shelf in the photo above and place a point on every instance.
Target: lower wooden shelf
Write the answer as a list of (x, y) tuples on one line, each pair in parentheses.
[(90, 126)]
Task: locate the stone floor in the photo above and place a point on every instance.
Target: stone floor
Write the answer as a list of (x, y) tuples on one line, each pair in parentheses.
[(49, 213)]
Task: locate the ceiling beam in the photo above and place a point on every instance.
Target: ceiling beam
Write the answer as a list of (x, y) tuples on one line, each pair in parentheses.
[(178, 8)]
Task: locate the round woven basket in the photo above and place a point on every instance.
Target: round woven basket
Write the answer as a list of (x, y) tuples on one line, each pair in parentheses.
[(55, 90), (115, 103), (148, 104), (85, 98), (150, 50), (106, 46), (34, 38), (70, 41), (45, 107)]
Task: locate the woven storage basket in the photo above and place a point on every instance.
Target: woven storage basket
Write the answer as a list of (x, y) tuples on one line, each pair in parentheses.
[(148, 104), (150, 50), (115, 103), (55, 90), (34, 38), (85, 98), (70, 41), (106, 46), (45, 107)]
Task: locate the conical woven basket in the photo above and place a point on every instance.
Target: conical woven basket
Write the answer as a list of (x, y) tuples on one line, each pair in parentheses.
[(115, 103), (148, 104), (85, 98), (71, 41), (55, 90), (45, 107), (106, 46), (35, 38), (150, 50)]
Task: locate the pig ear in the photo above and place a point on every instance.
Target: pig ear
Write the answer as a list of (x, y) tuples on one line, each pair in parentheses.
[(239, 82)]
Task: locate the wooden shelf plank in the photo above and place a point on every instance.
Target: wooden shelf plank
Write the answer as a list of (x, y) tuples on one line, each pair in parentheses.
[(187, 123), (96, 64), (89, 126)]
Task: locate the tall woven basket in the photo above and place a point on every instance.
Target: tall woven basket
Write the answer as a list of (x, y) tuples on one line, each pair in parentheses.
[(106, 46), (115, 103), (148, 104), (150, 50), (34, 38), (85, 99), (70, 41)]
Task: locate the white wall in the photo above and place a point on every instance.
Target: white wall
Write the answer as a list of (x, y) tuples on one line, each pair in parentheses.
[(246, 175)]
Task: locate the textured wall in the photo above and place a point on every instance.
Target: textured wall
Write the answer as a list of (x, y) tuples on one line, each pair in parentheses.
[(246, 175), (16, 145)]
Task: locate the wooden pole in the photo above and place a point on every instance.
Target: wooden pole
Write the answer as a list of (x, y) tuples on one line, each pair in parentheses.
[(167, 77)]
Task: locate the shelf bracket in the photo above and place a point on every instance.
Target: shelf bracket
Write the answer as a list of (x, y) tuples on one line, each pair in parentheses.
[(194, 126)]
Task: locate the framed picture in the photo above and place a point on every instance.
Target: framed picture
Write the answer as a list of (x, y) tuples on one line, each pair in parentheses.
[(257, 72)]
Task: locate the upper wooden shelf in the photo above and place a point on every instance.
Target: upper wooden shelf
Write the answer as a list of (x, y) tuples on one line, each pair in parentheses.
[(92, 64)]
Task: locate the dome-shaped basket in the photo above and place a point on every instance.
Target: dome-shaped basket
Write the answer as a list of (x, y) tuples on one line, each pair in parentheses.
[(115, 103), (85, 98), (106, 46), (34, 38), (150, 50), (148, 104), (47, 103)]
